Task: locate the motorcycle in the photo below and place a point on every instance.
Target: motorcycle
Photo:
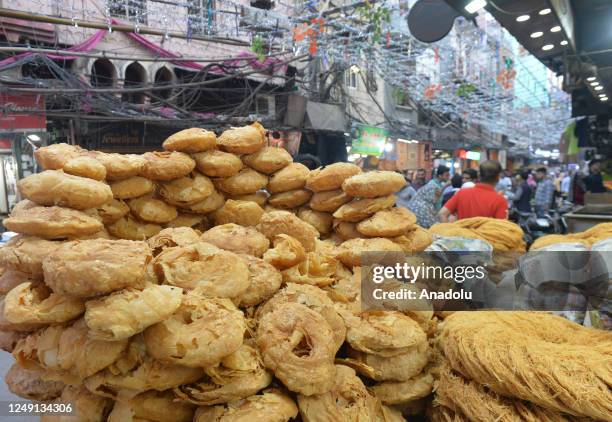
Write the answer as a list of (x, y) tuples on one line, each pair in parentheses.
[(558, 215), (535, 227)]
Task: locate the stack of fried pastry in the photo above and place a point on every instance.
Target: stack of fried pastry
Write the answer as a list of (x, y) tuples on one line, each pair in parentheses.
[(194, 284), (360, 210)]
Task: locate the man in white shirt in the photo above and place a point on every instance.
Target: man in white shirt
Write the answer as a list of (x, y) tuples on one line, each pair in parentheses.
[(469, 177), (565, 184), (505, 183)]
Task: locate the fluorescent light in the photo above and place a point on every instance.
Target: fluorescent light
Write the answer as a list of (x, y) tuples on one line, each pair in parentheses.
[(555, 29), (564, 42), (594, 83), (523, 18), (475, 5), (548, 47), (598, 88), (537, 34), (544, 12), (591, 78)]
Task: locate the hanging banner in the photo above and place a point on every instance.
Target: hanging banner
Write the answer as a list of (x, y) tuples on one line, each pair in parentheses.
[(370, 140)]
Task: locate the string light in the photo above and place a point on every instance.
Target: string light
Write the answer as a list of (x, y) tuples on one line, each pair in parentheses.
[(459, 73)]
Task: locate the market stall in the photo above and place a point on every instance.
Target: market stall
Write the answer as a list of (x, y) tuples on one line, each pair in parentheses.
[(220, 281)]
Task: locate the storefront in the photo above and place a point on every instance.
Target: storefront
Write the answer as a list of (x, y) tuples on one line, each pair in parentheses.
[(468, 158), (22, 129), (391, 153), (413, 155)]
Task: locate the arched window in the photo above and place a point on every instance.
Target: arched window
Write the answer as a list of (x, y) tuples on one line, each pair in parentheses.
[(135, 77), (103, 74), (163, 77)]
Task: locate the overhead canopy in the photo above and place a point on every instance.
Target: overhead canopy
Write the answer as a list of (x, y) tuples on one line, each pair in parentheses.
[(578, 48), (322, 116)]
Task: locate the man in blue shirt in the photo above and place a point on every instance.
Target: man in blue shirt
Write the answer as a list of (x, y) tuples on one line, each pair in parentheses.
[(544, 192)]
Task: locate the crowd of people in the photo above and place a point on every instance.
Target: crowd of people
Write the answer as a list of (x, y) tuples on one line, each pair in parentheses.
[(492, 191)]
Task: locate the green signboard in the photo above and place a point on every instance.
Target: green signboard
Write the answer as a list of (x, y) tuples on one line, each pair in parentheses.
[(370, 140)]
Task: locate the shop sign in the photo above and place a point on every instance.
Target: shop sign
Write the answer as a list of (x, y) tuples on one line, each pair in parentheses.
[(123, 135), (370, 140), (473, 155), (22, 112), (110, 136)]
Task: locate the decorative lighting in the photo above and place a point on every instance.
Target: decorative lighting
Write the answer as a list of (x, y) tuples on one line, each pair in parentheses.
[(523, 18), (564, 42), (537, 34), (555, 29), (594, 83), (544, 12), (591, 78), (548, 47), (475, 5), (598, 88)]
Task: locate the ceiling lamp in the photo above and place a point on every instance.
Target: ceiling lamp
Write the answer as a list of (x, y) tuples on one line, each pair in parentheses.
[(555, 29), (537, 34), (548, 47), (591, 78), (598, 88), (523, 18), (475, 5), (564, 42), (594, 83), (603, 99), (603, 95), (544, 12)]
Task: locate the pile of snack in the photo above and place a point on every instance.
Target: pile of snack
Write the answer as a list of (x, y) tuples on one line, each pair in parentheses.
[(194, 284), (362, 211), (521, 366), (502, 235), (587, 238)]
